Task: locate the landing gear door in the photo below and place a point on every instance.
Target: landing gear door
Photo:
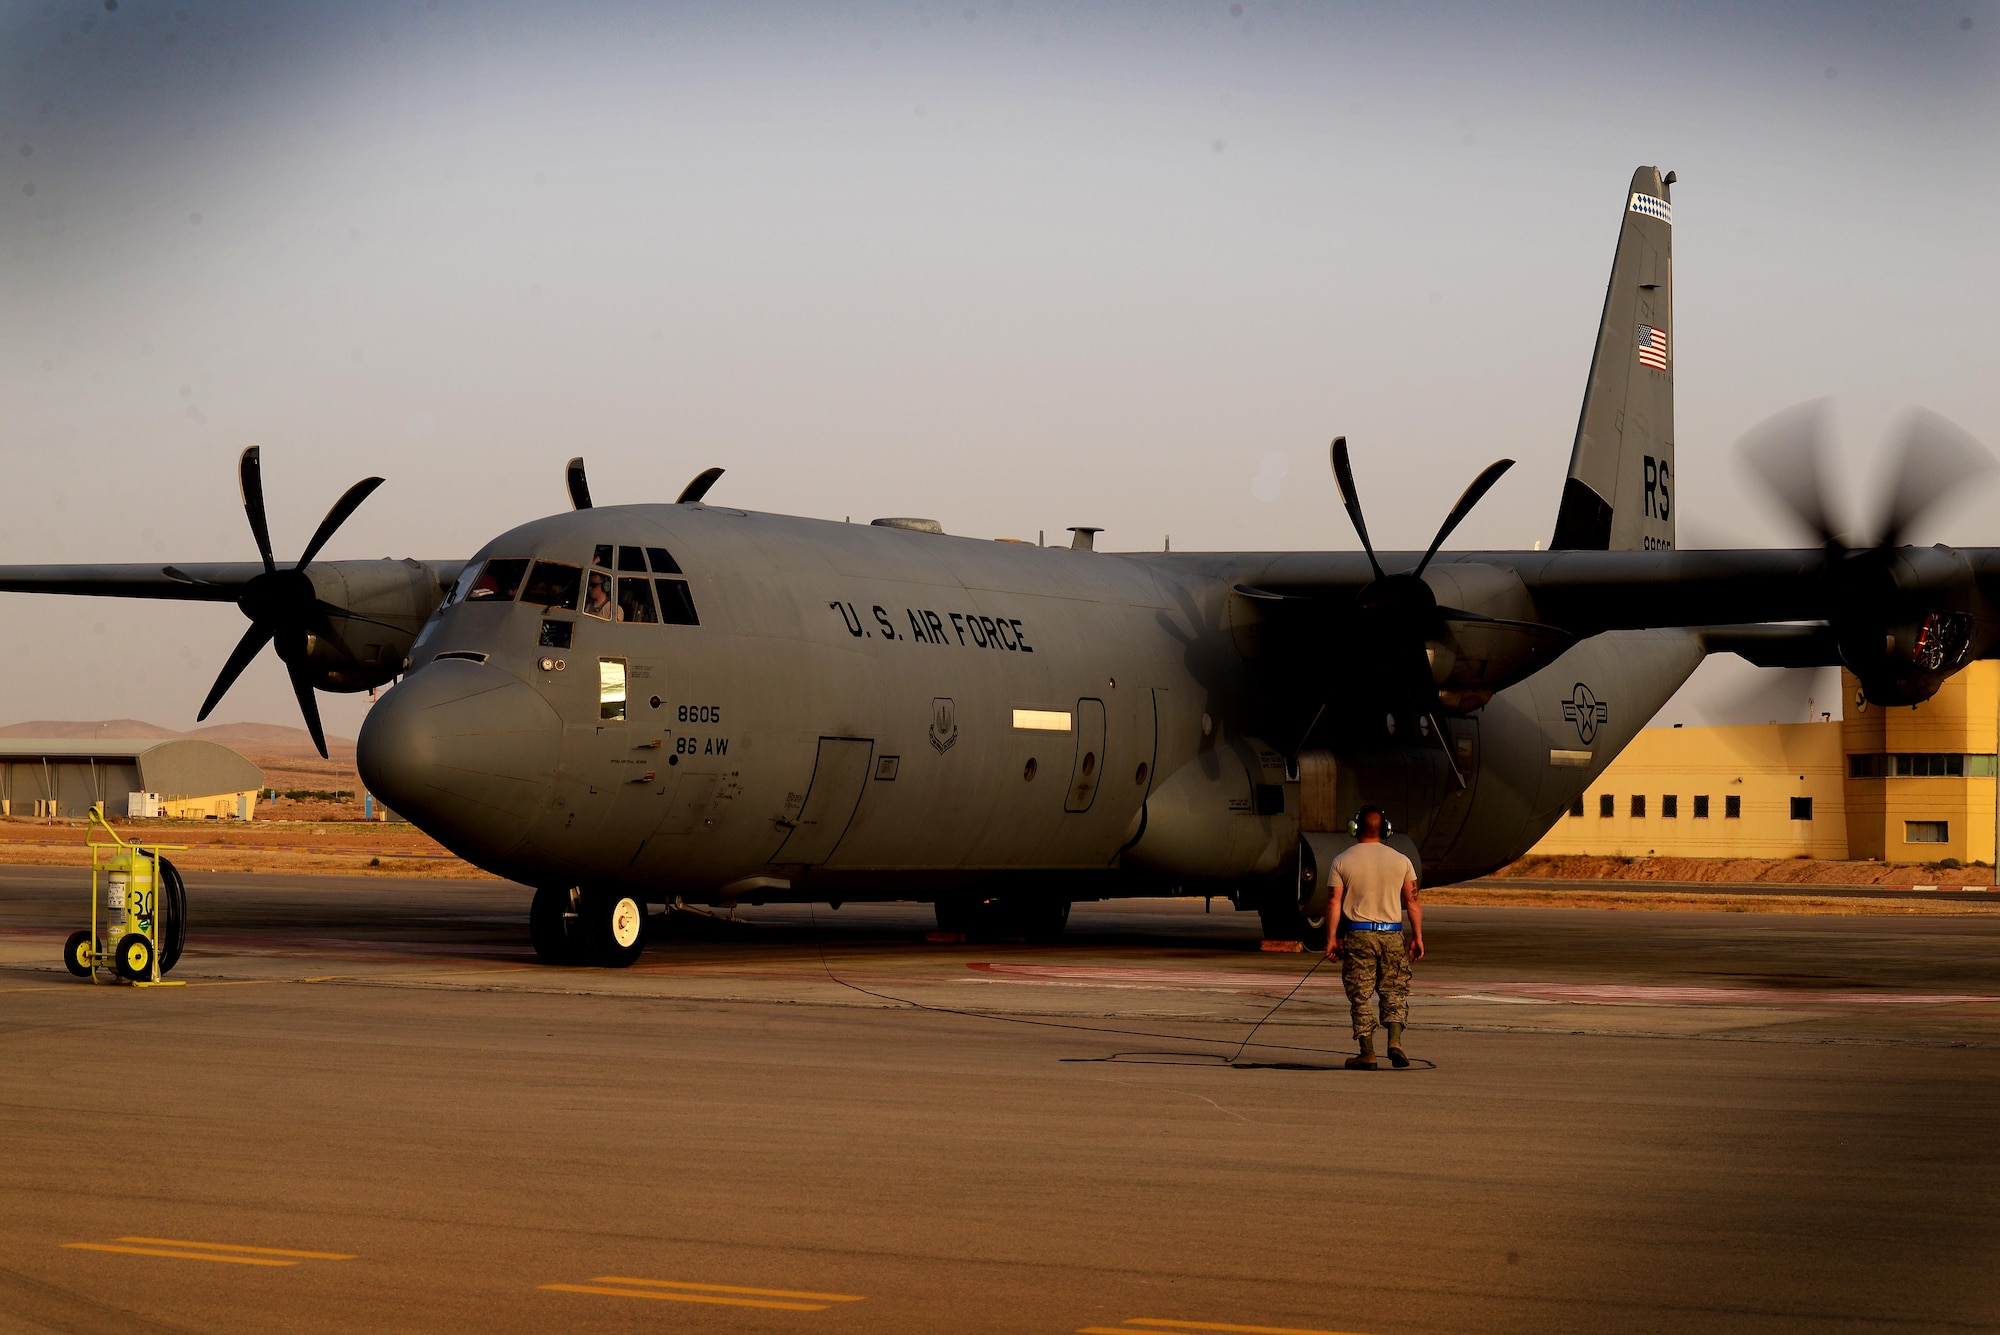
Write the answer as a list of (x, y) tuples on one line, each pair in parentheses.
[(1461, 737), (839, 776), (1089, 765)]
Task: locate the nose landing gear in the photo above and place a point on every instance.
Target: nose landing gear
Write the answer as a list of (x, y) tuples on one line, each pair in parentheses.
[(589, 925)]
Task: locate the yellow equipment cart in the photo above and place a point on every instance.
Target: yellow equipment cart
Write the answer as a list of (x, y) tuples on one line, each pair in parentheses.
[(138, 913)]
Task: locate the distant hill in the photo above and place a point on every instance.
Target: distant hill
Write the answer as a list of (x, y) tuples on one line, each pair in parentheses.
[(255, 740)]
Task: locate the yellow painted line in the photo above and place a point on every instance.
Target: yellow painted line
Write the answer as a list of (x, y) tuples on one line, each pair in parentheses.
[(729, 1288), (181, 1256), (1156, 1323), (684, 1297), (235, 1247)]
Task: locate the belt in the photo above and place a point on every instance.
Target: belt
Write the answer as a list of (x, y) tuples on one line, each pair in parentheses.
[(1356, 925)]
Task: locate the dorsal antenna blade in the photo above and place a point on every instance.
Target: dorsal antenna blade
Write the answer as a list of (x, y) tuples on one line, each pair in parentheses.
[(1480, 486), (1343, 477), (579, 485)]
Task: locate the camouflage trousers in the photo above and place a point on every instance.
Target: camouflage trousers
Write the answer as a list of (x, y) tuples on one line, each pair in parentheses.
[(1372, 963)]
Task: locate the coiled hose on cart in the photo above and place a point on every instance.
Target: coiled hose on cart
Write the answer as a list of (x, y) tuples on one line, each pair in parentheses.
[(172, 929)]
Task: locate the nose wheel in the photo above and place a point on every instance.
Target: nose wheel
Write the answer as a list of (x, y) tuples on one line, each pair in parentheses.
[(587, 926)]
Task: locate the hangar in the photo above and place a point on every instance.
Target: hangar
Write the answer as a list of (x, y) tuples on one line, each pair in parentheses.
[(142, 776)]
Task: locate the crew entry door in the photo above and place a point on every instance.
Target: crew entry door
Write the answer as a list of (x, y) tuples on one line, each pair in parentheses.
[(1089, 765), (839, 776)]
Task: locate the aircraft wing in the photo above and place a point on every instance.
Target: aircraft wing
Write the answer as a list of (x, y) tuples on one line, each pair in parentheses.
[(192, 583)]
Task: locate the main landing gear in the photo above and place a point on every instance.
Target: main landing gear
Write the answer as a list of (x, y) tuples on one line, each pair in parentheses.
[(1033, 919), (587, 925)]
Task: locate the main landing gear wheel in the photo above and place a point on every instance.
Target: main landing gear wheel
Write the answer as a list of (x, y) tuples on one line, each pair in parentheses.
[(134, 958), (1283, 920), (555, 927), (77, 954), (614, 923)]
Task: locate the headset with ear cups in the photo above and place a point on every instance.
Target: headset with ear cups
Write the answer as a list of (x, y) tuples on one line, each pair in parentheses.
[(1354, 825)]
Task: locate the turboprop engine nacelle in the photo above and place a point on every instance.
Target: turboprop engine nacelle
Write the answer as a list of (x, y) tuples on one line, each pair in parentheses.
[(1487, 636)]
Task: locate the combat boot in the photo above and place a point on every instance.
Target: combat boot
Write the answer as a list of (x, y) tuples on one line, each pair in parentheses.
[(1397, 1057), (1364, 1060)]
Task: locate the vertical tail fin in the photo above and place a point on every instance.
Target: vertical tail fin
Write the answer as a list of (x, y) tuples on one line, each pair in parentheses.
[(1619, 496)]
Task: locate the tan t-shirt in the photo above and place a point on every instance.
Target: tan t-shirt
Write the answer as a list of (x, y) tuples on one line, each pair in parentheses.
[(1372, 875)]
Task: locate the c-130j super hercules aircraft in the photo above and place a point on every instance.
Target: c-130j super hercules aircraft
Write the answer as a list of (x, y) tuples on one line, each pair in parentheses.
[(689, 703)]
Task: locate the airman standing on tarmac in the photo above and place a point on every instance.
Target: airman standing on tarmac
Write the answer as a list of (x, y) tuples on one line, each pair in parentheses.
[(1370, 887)]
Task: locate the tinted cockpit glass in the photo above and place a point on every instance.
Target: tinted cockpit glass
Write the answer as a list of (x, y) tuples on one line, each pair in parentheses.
[(676, 605), (663, 561), (497, 582), (635, 600), (553, 585), (629, 558), (597, 598), (601, 558)]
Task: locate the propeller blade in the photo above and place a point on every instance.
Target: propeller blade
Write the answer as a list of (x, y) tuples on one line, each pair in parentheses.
[(348, 503), (1938, 460), (1473, 494), (1343, 477), (698, 488), (308, 704), (579, 484), (293, 650), (247, 648), (250, 474), (1785, 454)]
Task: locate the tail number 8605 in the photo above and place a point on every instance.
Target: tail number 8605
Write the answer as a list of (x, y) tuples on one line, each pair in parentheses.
[(701, 713)]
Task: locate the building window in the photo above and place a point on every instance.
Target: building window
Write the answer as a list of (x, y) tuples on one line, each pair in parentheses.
[(1921, 765), (1802, 808), (1576, 806), (1606, 805), (1670, 806), (1732, 808), (1701, 806), (1638, 805), (1926, 832)]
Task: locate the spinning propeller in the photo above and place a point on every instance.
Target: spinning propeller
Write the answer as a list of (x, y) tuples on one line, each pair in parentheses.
[(282, 605), (1904, 617)]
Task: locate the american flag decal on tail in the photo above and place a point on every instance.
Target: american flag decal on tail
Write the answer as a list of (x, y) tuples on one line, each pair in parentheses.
[(1652, 347)]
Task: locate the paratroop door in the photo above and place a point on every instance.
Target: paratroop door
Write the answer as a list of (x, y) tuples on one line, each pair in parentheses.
[(839, 775), (1089, 766)]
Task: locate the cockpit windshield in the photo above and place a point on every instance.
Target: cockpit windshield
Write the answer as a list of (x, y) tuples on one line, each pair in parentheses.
[(553, 585), (497, 582), (635, 601)]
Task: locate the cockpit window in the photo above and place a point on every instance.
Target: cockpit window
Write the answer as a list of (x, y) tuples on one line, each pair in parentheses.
[(552, 585), (597, 598), (629, 558), (497, 582), (676, 605), (663, 561), (635, 601), (601, 558)]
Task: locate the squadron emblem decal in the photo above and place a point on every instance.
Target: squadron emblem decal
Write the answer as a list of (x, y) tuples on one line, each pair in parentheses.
[(944, 724), (1586, 711)]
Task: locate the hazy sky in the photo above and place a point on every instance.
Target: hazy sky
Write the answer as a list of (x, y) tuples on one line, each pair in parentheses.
[(1015, 266)]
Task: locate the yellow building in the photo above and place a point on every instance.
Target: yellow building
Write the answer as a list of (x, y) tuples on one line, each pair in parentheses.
[(1899, 785)]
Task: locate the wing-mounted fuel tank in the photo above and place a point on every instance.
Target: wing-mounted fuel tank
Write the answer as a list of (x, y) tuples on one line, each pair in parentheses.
[(1227, 814)]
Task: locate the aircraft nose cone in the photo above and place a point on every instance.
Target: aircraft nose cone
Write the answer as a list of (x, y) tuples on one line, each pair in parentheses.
[(467, 752)]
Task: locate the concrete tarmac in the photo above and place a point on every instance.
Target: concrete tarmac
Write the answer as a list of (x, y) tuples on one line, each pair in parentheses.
[(370, 1110)]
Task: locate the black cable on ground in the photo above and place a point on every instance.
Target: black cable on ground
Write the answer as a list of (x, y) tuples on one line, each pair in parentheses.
[(819, 943)]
